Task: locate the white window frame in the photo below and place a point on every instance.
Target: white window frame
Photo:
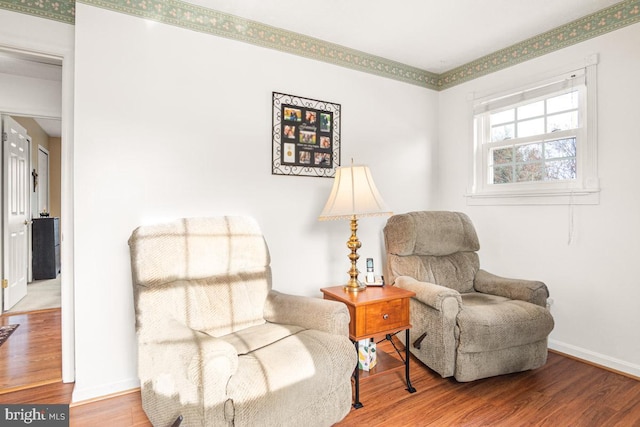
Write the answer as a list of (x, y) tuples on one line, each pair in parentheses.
[(585, 189)]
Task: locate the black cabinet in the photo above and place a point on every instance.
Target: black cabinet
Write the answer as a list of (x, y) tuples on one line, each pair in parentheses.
[(46, 248)]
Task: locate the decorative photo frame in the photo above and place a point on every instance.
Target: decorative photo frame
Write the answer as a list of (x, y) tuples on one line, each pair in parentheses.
[(306, 136)]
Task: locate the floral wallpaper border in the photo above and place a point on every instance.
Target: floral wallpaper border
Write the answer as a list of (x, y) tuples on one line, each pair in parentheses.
[(606, 20), (57, 10), (197, 18)]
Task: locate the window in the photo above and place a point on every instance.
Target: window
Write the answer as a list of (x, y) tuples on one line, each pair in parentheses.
[(537, 145)]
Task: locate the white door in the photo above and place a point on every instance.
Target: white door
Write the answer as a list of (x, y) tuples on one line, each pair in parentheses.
[(15, 211)]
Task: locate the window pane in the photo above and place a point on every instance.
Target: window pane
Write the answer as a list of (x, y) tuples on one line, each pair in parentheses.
[(560, 148), (531, 110), (561, 169), (529, 152), (530, 172), (500, 133), (564, 102), (562, 121), (502, 155), (502, 117), (502, 174), (530, 127)]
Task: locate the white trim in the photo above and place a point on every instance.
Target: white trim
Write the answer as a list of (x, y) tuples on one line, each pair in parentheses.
[(67, 226), (37, 36), (583, 190), (80, 394), (541, 198), (596, 358)]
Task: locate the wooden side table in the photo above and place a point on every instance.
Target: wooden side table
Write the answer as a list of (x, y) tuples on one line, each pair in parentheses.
[(382, 310)]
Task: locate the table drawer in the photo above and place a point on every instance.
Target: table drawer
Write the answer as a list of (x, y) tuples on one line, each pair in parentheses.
[(386, 315)]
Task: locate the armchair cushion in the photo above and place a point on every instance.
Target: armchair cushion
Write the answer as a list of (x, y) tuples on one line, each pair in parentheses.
[(455, 271), (237, 301), (430, 233), (250, 339), (435, 247), (167, 252), (489, 322), (271, 380)]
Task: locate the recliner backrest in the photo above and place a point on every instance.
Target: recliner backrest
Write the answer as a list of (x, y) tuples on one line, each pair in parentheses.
[(211, 274), (433, 246)]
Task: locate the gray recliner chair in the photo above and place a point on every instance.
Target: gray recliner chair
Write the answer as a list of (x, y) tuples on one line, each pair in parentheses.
[(218, 347), (466, 322)]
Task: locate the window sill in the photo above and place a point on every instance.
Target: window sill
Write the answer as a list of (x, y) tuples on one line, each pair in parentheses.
[(564, 197)]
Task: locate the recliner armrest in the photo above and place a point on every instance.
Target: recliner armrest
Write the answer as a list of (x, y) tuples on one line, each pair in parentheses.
[(525, 290), (429, 293), (307, 312)]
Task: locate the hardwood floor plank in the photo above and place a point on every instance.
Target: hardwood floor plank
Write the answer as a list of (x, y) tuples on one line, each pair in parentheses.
[(124, 410), (57, 392), (33, 353), (564, 392)]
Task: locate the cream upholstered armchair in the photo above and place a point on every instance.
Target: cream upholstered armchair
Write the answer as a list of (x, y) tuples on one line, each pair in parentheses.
[(466, 322), (217, 346)]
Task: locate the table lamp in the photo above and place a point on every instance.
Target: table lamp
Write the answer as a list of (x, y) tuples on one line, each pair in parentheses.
[(353, 195)]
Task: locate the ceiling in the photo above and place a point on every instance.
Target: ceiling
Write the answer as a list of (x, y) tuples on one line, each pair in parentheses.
[(52, 127), (433, 35)]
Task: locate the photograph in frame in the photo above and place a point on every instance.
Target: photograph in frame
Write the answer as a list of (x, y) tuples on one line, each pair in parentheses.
[(305, 136)]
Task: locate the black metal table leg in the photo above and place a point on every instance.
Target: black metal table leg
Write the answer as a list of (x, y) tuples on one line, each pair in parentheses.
[(410, 388), (356, 401)]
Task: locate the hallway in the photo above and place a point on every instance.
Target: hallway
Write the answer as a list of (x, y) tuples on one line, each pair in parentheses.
[(41, 295)]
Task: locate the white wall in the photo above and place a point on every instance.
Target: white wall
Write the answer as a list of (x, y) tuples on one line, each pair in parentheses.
[(593, 280), (173, 123)]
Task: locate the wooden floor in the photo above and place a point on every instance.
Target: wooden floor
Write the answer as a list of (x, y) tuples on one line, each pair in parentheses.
[(564, 392), (33, 353)]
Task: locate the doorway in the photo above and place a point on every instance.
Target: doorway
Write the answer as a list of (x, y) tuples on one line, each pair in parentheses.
[(37, 67), (39, 215)]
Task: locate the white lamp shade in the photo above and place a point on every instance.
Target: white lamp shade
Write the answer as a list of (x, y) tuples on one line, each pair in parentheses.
[(353, 193)]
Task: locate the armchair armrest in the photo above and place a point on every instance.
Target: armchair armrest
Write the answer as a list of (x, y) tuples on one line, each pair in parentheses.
[(433, 336), (525, 290), (185, 363), (307, 312), (429, 293)]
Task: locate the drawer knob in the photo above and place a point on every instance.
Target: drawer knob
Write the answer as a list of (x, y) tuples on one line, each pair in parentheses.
[(385, 316)]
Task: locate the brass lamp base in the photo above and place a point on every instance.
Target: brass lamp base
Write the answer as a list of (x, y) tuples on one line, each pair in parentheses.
[(354, 285), (357, 287)]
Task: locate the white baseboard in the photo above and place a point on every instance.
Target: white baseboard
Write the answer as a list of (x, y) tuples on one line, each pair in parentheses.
[(605, 361), (91, 393)]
